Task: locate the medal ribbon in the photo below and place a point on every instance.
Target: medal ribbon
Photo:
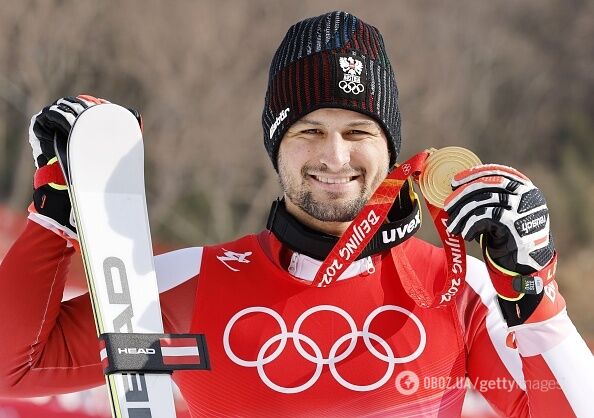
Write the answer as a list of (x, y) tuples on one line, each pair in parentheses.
[(370, 219)]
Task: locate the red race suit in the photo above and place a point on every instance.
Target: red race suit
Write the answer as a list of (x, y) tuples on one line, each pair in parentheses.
[(280, 347)]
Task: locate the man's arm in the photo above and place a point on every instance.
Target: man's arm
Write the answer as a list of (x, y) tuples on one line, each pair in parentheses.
[(551, 371), (51, 346)]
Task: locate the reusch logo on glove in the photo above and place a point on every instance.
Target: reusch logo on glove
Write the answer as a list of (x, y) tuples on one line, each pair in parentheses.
[(532, 223)]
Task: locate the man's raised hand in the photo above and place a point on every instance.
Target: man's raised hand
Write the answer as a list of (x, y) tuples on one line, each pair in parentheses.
[(502, 206)]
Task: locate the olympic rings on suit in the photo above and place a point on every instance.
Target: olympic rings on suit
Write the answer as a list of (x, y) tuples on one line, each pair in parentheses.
[(318, 359)]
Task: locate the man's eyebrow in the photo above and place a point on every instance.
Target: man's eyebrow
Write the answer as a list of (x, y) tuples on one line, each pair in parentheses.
[(362, 122), (350, 124), (310, 122)]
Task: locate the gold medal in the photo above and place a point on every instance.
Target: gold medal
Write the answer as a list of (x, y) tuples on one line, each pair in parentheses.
[(440, 168)]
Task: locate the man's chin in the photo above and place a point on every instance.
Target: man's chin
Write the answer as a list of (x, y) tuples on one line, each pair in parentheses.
[(334, 212), (336, 197)]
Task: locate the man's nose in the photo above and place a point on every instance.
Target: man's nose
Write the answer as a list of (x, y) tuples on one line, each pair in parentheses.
[(336, 151)]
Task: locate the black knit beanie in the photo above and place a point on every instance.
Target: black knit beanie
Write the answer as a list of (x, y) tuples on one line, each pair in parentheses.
[(333, 60)]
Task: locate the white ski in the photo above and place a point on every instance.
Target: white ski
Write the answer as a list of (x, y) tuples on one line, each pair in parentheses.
[(106, 184)]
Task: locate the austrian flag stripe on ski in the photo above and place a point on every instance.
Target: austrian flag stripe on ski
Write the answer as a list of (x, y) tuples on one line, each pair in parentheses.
[(153, 353), (180, 351)]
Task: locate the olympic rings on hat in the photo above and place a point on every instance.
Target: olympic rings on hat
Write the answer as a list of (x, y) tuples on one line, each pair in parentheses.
[(351, 87)]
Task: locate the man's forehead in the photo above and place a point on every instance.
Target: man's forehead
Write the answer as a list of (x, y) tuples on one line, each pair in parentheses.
[(329, 116)]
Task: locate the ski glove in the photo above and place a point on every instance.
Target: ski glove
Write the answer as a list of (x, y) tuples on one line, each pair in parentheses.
[(508, 214), (503, 206), (51, 206)]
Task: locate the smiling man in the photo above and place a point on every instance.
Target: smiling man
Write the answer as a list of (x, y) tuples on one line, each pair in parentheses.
[(362, 346), (329, 163)]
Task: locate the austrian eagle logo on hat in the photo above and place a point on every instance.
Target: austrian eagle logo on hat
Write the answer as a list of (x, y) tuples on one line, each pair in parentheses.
[(352, 69), (351, 65)]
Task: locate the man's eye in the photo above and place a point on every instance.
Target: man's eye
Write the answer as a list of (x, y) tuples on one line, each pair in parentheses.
[(358, 132), (310, 131)]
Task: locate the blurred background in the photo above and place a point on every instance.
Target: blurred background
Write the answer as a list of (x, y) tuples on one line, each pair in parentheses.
[(512, 81)]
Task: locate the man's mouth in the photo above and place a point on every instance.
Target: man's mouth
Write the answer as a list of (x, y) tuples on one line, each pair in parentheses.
[(334, 180)]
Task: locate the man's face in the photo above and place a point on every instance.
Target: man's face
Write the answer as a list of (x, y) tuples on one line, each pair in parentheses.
[(330, 162)]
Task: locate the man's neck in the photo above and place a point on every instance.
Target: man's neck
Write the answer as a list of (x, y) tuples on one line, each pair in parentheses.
[(317, 244), (330, 228)]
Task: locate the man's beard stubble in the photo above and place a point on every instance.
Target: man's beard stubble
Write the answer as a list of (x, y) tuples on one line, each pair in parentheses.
[(328, 211)]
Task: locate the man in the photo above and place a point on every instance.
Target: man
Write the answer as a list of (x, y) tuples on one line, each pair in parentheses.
[(281, 347)]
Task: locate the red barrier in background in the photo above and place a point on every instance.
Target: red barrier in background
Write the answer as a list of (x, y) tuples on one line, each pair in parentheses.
[(53, 408), (67, 406)]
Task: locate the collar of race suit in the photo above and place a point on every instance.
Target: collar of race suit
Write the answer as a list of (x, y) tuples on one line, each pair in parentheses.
[(403, 221)]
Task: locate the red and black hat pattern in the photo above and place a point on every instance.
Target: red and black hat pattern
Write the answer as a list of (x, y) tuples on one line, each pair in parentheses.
[(333, 60)]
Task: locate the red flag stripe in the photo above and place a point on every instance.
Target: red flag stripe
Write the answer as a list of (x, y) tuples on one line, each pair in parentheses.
[(181, 360), (178, 342)]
